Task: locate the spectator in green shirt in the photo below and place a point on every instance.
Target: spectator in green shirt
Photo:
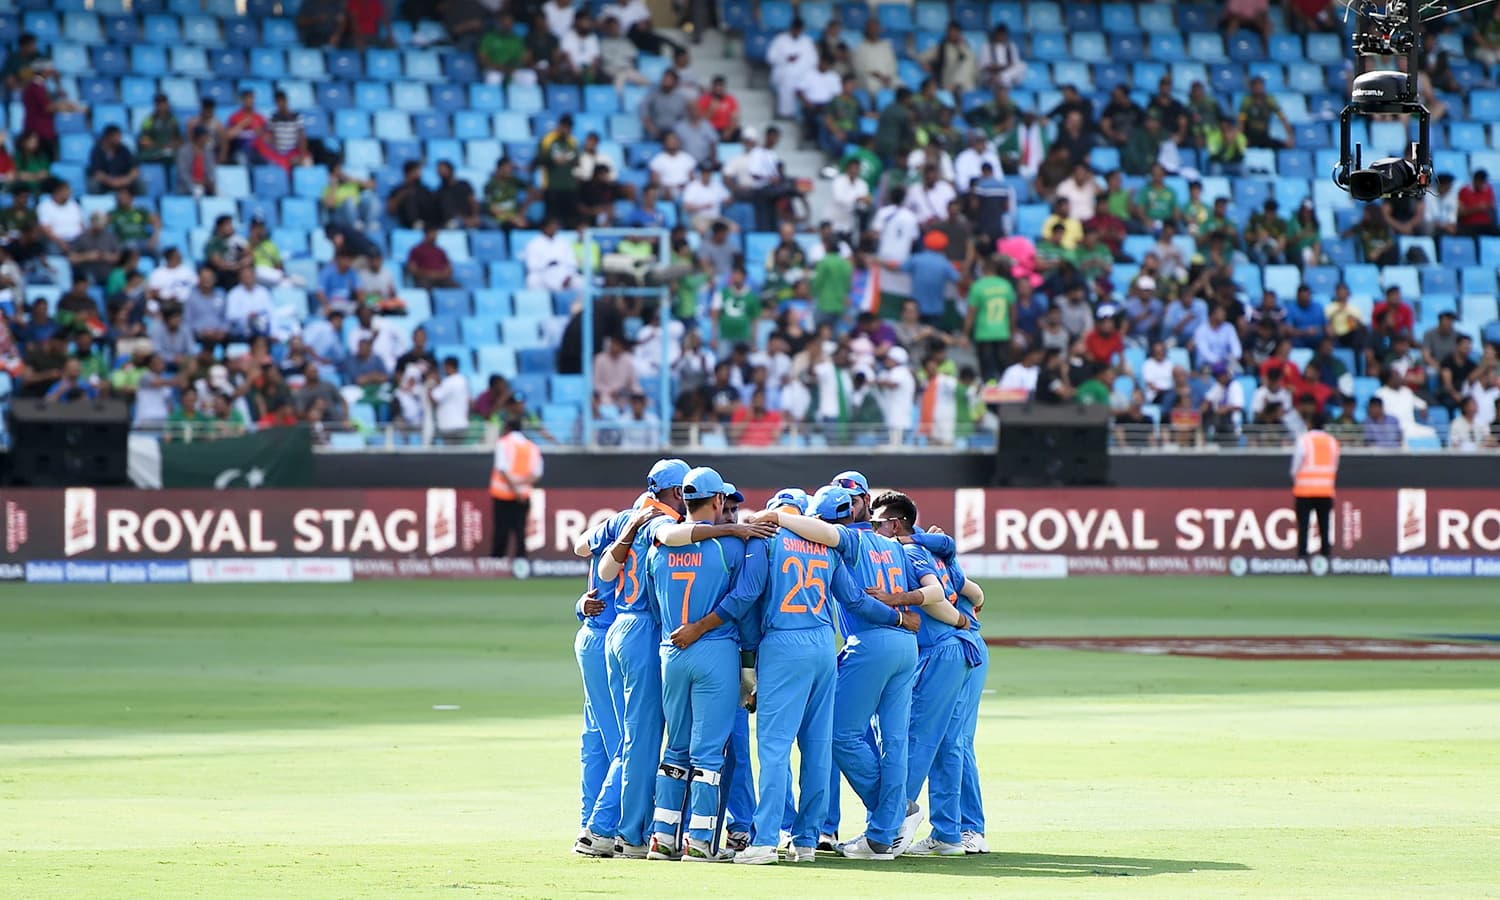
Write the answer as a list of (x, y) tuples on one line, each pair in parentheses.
[(870, 166), (736, 307), (1195, 212), (1155, 202), (1116, 198), (506, 195), (1142, 146), (894, 131), (1266, 235), (138, 229), (1256, 112), (991, 318), (832, 278), (1225, 146), (1096, 390), (160, 134), (501, 52), (350, 201), (1219, 223), (841, 117), (1093, 259)]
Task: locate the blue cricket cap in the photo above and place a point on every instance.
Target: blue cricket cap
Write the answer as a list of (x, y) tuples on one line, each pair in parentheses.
[(703, 482), (736, 496), (789, 497), (666, 474), (832, 503), (853, 482)]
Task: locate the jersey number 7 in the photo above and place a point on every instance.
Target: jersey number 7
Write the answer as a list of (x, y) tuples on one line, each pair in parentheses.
[(687, 591)]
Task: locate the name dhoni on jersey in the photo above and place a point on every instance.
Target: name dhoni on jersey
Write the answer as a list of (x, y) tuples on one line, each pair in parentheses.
[(676, 560), (793, 544)]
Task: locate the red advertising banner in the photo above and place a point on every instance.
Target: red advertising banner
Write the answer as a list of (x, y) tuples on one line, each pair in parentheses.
[(442, 532)]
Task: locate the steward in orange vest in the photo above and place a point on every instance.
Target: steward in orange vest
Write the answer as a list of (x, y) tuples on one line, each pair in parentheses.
[(1315, 469), (518, 466)]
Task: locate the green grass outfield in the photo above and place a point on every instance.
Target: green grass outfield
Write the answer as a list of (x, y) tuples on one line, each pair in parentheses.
[(282, 741)]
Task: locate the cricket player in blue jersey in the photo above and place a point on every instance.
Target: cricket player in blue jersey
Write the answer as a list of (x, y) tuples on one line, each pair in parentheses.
[(740, 810), (946, 654), (790, 622), (970, 602), (633, 665), (601, 721), (700, 684), (874, 675)]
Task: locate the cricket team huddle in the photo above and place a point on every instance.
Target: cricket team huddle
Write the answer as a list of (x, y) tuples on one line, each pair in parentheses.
[(833, 618)]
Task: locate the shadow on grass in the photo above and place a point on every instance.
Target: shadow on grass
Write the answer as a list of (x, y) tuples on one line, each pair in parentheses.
[(1043, 865)]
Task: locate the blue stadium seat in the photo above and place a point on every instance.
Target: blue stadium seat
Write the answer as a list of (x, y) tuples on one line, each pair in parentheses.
[(896, 18), (410, 96), (178, 212), (493, 301), (525, 98), (775, 15), (448, 98), (372, 96), (1167, 45), (383, 65), (443, 329), (1206, 47), (970, 16), (1115, 18), (497, 360), (488, 246), (299, 212), (309, 181), (486, 97), (1457, 252), (110, 61), (269, 182), (1126, 48), (267, 59), (926, 16), (1484, 106), (200, 30), (1326, 49), (1090, 47), (423, 65), (479, 331)]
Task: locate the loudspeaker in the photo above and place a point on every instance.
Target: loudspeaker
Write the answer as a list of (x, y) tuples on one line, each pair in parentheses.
[(1052, 445), (68, 444)]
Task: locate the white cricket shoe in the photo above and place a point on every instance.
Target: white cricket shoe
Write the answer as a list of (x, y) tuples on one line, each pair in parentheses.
[(756, 856), (829, 842), (803, 855), (590, 844), (702, 851), (974, 842), (663, 847), (931, 846), (860, 848), (909, 827), (632, 851)]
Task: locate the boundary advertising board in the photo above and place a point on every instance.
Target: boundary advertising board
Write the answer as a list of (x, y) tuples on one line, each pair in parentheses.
[(117, 535)]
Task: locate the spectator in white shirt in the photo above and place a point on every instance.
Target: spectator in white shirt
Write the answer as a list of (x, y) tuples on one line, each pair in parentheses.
[(385, 341), (1465, 434), (969, 163), (703, 200), (450, 400), (929, 199), (814, 90), (898, 391), (898, 229), (1271, 400), (1440, 213), (60, 216), (248, 308), (791, 56), (560, 15), (1000, 63), (172, 281), (1156, 374), (629, 14), (1403, 405), (672, 167), (849, 200), (1224, 404), (1021, 376), (763, 175), (551, 264), (1485, 390), (874, 60), (1081, 191), (1216, 342), (580, 49)]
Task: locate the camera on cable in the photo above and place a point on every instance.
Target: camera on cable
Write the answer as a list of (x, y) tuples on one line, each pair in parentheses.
[(1392, 30)]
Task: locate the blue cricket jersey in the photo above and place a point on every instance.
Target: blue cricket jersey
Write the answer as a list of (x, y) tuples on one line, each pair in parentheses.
[(628, 595), (877, 562), (793, 584), (933, 632), (686, 583)]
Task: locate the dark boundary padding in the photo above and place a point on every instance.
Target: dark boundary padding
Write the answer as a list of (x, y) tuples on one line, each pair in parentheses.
[(575, 469)]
